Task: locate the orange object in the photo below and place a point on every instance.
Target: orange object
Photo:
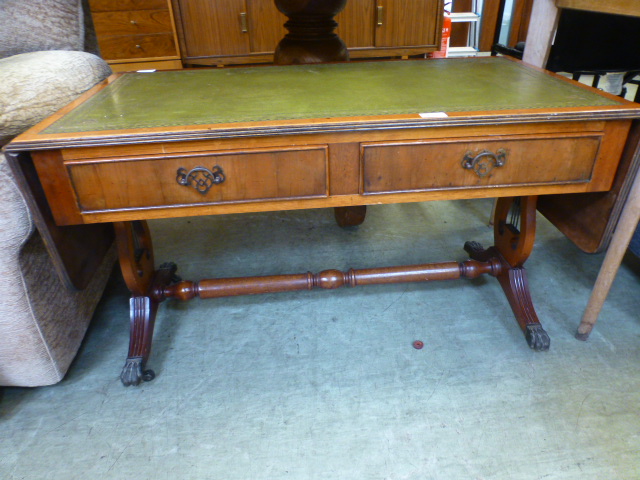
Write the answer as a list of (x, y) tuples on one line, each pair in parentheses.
[(446, 37)]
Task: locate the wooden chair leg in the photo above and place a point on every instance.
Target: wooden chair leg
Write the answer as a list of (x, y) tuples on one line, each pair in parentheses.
[(619, 242)]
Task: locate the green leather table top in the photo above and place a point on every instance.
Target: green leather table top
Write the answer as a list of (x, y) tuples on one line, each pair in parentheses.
[(229, 95)]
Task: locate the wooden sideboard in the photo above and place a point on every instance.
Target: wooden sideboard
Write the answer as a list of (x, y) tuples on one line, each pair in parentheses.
[(247, 31), (136, 34), (165, 34)]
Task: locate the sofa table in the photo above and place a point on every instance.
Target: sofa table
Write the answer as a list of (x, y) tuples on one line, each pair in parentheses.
[(144, 146)]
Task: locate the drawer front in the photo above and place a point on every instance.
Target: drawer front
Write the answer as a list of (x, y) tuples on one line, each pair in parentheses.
[(137, 46), (160, 181), (123, 5), (464, 163), (132, 23)]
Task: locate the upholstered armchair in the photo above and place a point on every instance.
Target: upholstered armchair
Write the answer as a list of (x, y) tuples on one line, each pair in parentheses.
[(44, 64)]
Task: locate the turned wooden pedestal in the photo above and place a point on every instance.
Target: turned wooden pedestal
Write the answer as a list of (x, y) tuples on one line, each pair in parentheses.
[(311, 37)]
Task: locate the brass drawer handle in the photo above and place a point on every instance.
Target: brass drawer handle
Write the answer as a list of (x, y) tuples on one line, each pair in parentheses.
[(380, 10), (243, 22), (484, 162), (200, 178)]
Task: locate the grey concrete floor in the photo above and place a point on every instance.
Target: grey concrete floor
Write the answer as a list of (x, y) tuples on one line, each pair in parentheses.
[(327, 385)]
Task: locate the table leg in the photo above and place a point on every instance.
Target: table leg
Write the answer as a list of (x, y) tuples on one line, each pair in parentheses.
[(619, 242), (514, 235), (350, 216), (147, 286)]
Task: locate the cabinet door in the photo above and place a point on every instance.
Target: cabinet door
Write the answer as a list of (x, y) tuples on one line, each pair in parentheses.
[(265, 24), (407, 23), (356, 23), (213, 28)]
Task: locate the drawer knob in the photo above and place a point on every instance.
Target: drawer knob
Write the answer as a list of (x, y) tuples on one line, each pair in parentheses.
[(200, 178), (484, 162)]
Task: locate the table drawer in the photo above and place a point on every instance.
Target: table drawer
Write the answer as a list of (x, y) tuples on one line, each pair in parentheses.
[(120, 5), (481, 162), (118, 47), (243, 176), (132, 23)]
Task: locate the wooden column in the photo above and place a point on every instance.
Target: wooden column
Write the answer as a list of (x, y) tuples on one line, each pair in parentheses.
[(311, 37)]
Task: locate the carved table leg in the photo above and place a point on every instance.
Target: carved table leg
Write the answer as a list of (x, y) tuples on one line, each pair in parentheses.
[(514, 235), (147, 287)]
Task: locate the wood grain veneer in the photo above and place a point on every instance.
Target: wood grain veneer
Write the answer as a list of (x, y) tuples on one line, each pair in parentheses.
[(126, 5), (256, 175), (132, 22), (423, 166), (138, 46), (409, 23)]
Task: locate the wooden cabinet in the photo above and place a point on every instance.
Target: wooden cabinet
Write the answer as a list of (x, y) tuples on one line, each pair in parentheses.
[(221, 30), (410, 24), (248, 31), (136, 34)]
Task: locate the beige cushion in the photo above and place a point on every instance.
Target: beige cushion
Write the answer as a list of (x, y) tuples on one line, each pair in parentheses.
[(42, 323), (32, 25), (16, 223), (35, 85)]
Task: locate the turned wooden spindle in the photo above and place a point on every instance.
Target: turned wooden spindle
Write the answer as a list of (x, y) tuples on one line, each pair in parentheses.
[(330, 279), (311, 37)]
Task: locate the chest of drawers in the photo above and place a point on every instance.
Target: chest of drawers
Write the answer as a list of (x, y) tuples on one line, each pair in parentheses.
[(136, 34)]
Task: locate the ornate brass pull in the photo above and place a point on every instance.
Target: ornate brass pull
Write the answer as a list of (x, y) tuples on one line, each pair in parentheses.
[(200, 178), (484, 162), (243, 22), (380, 10)]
